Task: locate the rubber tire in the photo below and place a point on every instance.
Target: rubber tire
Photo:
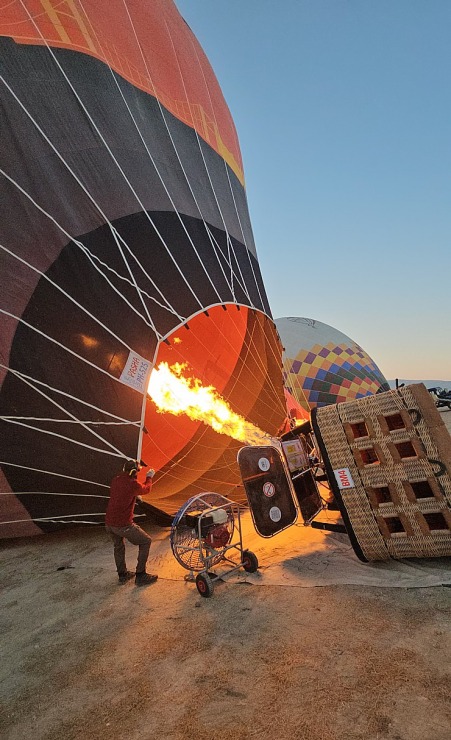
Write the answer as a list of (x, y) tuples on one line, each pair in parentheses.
[(249, 561), (204, 585)]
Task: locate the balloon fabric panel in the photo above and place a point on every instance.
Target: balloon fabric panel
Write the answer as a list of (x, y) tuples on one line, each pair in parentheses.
[(123, 219)]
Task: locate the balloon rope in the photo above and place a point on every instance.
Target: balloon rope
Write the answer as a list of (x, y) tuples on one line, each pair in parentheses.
[(211, 238), (53, 493), (73, 418), (72, 421), (79, 244), (110, 152), (228, 178), (229, 262), (214, 243), (21, 376), (55, 341), (182, 223), (58, 519), (68, 439), (117, 237), (51, 472), (200, 148), (68, 296)]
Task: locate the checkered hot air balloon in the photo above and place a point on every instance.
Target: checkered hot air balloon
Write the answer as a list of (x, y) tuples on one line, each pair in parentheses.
[(324, 366)]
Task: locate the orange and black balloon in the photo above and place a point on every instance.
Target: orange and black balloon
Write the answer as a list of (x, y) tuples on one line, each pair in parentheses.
[(125, 240)]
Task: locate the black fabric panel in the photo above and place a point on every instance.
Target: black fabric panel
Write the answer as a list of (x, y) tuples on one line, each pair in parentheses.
[(27, 232), (51, 312), (186, 270), (62, 498), (40, 85)]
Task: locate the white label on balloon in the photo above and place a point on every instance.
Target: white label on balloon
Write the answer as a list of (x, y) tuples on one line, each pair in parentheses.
[(275, 514), (269, 489), (136, 372), (264, 464)]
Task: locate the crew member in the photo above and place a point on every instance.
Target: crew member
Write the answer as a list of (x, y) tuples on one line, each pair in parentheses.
[(124, 490)]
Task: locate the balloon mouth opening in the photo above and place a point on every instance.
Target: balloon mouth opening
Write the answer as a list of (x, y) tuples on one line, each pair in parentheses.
[(207, 387)]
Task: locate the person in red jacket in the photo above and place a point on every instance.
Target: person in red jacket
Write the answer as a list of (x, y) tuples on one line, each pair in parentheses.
[(124, 490)]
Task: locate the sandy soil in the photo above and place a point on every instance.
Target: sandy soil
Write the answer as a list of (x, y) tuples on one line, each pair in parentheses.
[(82, 657)]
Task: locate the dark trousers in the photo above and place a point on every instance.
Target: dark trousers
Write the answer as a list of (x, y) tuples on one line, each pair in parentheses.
[(136, 536)]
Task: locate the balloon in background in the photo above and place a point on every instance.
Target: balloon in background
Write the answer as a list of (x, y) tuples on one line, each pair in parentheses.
[(324, 366)]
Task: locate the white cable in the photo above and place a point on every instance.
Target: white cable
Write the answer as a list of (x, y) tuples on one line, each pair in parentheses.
[(206, 168), (168, 307), (49, 48), (50, 493), (166, 189), (114, 232), (73, 419), (70, 421), (54, 518), (176, 153), (79, 244), (20, 375), (217, 247), (61, 436), (67, 295), (230, 285), (204, 161), (248, 251), (230, 186), (50, 339), (96, 205), (65, 411), (51, 472)]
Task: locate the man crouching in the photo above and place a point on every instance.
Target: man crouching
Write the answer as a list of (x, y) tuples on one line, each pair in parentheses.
[(124, 490)]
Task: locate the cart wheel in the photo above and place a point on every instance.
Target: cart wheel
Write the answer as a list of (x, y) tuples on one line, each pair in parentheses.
[(249, 561), (204, 585)]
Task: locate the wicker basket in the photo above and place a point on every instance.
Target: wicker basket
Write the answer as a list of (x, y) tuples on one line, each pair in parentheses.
[(388, 458)]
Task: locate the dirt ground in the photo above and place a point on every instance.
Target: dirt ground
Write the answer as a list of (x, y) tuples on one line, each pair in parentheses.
[(82, 657)]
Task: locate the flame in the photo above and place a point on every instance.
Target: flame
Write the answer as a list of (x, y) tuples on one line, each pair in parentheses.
[(176, 394)]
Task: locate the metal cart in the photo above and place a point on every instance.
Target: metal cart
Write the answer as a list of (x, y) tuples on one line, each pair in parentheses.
[(205, 534)]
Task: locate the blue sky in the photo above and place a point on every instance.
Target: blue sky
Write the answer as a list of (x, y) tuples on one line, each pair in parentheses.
[(343, 112)]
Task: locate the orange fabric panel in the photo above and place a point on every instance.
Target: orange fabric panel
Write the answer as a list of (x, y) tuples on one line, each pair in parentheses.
[(210, 349), (236, 352)]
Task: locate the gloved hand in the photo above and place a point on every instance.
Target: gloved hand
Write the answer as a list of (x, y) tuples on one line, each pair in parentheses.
[(150, 474)]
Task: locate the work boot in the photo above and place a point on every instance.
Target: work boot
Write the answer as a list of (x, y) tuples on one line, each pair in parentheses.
[(126, 576), (145, 579)]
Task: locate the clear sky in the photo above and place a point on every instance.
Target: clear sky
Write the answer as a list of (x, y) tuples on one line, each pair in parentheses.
[(343, 112)]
